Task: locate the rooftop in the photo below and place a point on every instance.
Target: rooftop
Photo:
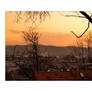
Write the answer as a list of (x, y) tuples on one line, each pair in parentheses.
[(65, 75)]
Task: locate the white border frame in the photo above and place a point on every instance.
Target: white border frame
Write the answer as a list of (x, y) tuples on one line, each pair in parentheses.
[(39, 5)]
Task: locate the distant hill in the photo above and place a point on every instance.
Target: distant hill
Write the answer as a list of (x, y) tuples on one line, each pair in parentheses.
[(50, 50)]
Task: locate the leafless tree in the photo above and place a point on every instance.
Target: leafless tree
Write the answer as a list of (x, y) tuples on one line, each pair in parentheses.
[(35, 17), (32, 38), (88, 42), (79, 52), (84, 50), (17, 61)]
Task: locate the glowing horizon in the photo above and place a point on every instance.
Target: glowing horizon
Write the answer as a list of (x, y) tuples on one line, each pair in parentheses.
[(55, 30)]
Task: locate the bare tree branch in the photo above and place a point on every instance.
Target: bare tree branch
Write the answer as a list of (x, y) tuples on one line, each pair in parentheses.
[(35, 17), (86, 16), (83, 32), (71, 15), (38, 16)]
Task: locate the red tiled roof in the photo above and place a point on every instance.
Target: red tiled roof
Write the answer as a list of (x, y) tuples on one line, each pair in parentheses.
[(65, 75)]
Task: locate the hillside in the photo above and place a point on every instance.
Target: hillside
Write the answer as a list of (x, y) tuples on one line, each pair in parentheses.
[(50, 50)]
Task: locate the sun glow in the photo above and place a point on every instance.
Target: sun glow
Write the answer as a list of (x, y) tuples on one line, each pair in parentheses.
[(55, 30)]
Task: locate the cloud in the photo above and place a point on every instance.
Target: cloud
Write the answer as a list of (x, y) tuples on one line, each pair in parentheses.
[(46, 38), (15, 31), (57, 39)]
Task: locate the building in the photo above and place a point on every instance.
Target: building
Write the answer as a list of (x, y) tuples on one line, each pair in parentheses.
[(65, 75)]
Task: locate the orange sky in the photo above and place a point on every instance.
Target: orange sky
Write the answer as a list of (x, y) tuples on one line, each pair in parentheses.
[(55, 30)]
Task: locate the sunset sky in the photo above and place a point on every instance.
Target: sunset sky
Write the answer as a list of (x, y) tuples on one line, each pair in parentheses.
[(55, 30)]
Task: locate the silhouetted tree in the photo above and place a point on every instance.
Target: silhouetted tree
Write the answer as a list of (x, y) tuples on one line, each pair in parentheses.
[(88, 41), (84, 49), (35, 17), (32, 38), (79, 52), (17, 62)]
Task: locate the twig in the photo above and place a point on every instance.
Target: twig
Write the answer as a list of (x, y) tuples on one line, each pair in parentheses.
[(83, 32), (71, 15)]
